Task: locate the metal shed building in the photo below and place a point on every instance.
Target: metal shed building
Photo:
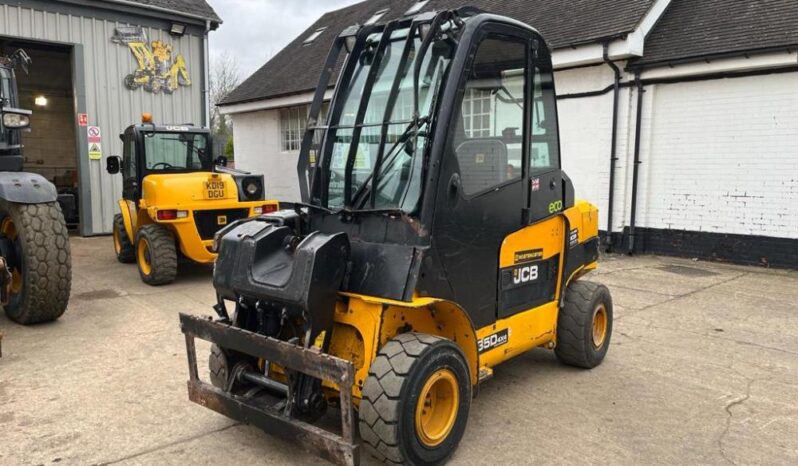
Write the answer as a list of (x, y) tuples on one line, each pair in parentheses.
[(97, 66)]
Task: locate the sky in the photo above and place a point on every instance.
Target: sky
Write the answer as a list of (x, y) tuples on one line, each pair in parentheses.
[(255, 30)]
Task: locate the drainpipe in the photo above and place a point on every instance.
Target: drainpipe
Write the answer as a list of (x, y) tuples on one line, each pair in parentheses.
[(636, 168), (206, 76), (613, 153)]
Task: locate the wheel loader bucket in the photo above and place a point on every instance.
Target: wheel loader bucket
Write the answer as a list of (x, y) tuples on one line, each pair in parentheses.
[(272, 417)]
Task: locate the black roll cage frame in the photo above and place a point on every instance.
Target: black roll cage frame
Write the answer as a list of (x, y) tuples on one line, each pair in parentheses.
[(353, 39)]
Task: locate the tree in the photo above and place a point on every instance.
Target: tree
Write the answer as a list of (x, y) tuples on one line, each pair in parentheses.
[(229, 151), (224, 78)]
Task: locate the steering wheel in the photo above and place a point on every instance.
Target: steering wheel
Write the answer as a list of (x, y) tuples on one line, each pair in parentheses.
[(165, 165)]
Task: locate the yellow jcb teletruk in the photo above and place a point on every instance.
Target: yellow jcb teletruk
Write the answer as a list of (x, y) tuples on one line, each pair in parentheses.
[(438, 237), (175, 197)]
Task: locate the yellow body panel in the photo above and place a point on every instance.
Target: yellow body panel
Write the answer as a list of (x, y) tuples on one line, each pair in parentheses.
[(188, 192), (363, 324)]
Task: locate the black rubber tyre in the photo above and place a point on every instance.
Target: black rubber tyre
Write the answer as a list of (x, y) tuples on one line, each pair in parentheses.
[(156, 255), (43, 262), (125, 252), (397, 377), (578, 342), (218, 367)]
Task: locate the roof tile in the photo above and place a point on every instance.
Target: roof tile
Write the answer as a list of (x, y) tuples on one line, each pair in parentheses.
[(692, 29), (563, 23)]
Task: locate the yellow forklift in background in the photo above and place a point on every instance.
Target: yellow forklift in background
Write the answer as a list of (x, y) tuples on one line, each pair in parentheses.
[(438, 237), (175, 197)]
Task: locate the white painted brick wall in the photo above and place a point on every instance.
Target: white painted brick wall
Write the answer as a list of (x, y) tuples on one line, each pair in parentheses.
[(257, 149), (718, 156), (721, 156)]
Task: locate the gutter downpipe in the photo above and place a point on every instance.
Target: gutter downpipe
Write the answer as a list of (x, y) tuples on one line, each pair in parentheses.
[(613, 149), (636, 169), (206, 76)]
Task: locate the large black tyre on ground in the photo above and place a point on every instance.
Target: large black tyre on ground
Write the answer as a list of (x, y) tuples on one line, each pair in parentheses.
[(36, 247), (125, 252), (156, 255), (415, 401), (584, 325)]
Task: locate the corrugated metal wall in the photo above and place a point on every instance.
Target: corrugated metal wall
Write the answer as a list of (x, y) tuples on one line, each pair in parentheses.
[(109, 104)]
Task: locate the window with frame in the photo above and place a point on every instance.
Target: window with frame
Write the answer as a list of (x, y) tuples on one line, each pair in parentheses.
[(477, 113), (292, 127)]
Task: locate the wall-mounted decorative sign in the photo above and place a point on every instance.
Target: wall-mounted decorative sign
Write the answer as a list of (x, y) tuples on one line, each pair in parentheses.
[(156, 71)]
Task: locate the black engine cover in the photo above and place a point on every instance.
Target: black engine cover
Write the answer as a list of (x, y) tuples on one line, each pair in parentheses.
[(261, 261)]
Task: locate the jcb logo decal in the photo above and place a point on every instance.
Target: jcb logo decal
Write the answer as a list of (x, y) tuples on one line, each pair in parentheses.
[(525, 274)]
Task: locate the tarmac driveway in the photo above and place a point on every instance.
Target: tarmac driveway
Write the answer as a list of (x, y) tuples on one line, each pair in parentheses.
[(703, 368)]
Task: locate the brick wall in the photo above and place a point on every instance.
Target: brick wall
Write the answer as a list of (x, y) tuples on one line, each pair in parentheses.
[(718, 156), (257, 145), (721, 156)]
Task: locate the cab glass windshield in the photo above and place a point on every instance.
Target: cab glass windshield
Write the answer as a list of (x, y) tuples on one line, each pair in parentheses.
[(376, 158), (176, 152)]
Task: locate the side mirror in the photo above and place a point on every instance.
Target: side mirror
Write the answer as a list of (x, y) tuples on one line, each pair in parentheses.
[(221, 160), (112, 164), (16, 118)]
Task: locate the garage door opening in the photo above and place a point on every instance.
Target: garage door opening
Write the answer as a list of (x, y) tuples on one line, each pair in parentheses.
[(49, 146)]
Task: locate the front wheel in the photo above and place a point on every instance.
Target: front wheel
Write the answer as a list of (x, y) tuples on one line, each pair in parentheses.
[(416, 400), (35, 244), (156, 255)]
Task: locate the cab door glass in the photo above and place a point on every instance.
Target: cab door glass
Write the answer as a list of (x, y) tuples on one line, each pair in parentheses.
[(129, 159), (545, 146), (490, 139)]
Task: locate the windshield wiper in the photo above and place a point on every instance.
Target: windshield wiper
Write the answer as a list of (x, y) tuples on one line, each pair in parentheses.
[(363, 192)]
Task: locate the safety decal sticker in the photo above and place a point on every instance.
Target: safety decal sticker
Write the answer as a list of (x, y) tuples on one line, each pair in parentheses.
[(573, 237), (530, 255)]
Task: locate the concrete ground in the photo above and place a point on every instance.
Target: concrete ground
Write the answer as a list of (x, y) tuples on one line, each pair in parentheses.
[(703, 369)]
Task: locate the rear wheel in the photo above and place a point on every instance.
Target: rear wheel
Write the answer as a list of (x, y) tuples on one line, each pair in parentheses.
[(35, 243), (584, 326), (416, 400), (125, 252), (156, 255)]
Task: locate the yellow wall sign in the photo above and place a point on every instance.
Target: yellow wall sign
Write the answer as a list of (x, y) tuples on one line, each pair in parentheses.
[(157, 71), (95, 151)]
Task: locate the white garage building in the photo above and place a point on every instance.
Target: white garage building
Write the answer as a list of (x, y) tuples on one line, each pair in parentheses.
[(700, 159)]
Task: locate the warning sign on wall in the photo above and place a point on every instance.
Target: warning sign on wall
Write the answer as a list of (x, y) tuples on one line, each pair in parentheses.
[(95, 142), (95, 151), (94, 133)]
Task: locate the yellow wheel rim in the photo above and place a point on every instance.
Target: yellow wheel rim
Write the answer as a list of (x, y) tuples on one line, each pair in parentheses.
[(143, 251), (437, 408), (599, 326), (9, 230), (117, 241)]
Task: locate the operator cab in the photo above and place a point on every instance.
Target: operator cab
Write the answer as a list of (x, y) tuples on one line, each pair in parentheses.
[(441, 141), (150, 149)]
